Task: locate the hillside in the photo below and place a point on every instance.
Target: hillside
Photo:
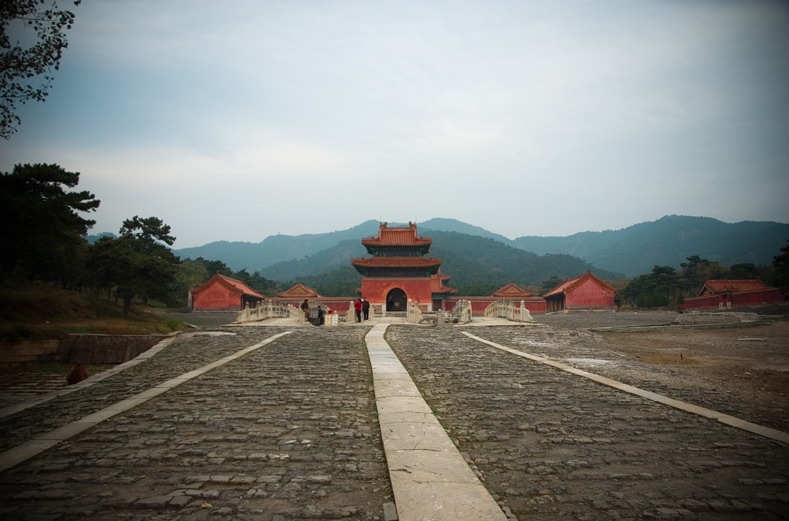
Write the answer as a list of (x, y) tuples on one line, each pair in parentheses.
[(668, 241), (631, 251), (470, 260), (275, 248)]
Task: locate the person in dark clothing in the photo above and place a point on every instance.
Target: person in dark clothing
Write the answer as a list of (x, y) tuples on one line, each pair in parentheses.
[(358, 308), (321, 313), (305, 307), (366, 308)]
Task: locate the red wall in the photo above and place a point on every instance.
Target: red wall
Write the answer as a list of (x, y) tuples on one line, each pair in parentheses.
[(215, 297), (751, 298), (588, 295), (418, 290)]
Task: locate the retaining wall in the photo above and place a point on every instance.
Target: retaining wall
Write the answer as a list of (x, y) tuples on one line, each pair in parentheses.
[(85, 349)]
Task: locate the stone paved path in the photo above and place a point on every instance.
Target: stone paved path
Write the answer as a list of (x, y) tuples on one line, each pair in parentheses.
[(290, 431), (551, 445)]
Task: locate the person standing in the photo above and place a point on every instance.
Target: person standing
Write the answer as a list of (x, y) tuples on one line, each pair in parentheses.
[(366, 308), (305, 307), (358, 308)]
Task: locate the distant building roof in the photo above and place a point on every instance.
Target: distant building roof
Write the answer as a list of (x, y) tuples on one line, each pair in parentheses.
[(299, 290), (731, 286), (513, 291), (570, 284), (397, 236), (230, 282)]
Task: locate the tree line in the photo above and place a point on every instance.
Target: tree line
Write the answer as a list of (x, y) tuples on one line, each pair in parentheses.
[(44, 224), (667, 286)]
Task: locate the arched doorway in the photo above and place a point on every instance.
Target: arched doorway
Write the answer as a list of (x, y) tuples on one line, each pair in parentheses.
[(396, 300)]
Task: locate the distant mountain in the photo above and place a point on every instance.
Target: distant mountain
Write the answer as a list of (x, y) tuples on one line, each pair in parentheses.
[(275, 248), (668, 242), (453, 225), (630, 251), (466, 258), (93, 238)]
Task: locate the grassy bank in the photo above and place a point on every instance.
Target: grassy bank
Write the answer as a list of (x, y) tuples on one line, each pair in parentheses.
[(41, 311)]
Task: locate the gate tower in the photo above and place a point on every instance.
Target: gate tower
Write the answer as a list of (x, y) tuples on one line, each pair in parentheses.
[(398, 271)]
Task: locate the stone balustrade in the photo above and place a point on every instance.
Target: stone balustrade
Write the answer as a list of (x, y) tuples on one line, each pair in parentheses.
[(507, 309), (269, 309), (462, 312), (414, 313)]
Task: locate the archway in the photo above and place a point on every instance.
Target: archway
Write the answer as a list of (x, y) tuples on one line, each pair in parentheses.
[(396, 300)]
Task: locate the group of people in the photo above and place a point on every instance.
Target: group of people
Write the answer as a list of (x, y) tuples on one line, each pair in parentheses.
[(321, 310), (362, 308)]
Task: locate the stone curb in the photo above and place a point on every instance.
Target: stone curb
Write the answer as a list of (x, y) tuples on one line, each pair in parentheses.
[(45, 441), (430, 479)]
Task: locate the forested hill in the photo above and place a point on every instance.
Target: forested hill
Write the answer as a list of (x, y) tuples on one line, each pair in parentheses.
[(631, 251), (254, 256), (478, 263), (668, 241)]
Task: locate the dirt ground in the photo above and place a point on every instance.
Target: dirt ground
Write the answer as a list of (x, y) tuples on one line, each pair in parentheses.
[(749, 365), (743, 371)]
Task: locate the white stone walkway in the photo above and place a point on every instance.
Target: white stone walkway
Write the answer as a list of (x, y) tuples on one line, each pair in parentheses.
[(430, 479)]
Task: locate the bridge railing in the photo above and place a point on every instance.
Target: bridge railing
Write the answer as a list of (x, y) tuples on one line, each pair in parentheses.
[(269, 309), (461, 312), (507, 309)]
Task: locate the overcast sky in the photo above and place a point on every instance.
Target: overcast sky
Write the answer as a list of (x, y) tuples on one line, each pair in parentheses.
[(239, 120)]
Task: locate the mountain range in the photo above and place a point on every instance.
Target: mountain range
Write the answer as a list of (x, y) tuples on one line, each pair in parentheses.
[(467, 250)]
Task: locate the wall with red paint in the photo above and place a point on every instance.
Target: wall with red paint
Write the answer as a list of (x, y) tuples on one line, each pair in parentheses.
[(589, 295), (216, 297), (417, 289)]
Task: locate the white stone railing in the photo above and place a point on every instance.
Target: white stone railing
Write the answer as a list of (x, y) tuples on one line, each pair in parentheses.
[(414, 314), (269, 309), (507, 309), (462, 312)]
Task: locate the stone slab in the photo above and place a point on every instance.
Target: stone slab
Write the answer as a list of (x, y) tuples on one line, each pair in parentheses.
[(430, 479)]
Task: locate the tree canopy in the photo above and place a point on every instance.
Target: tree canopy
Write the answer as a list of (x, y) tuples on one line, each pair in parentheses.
[(137, 263), (41, 222), (32, 40)]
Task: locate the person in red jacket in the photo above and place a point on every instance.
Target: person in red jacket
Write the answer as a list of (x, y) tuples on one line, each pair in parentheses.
[(358, 308)]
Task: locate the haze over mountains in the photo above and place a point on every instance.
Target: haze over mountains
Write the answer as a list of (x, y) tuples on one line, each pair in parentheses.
[(465, 248)]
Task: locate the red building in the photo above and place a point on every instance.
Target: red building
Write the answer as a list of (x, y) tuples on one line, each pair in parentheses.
[(584, 292), (398, 271), (221, 293), (734, 293)]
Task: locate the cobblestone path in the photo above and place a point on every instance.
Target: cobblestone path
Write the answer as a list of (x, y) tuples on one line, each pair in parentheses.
[(286, 432), (551, 445)]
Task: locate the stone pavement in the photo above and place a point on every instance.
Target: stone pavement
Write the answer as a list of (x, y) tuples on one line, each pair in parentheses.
[(290, 431)]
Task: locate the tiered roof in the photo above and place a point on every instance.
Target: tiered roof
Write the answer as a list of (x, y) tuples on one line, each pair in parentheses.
[(397, 262), (397, 241), (397, 236)]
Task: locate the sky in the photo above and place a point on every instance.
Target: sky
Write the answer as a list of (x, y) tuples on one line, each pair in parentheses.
[(242, 119)]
